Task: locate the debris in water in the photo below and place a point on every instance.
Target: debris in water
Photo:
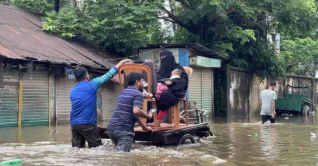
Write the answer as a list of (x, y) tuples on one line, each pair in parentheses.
[(301, 148), (313, 134), (11, 162), (208, 159), (286, 117), (255, 134)]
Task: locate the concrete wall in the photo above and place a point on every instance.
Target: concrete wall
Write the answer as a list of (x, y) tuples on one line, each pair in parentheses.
[(243, 90)]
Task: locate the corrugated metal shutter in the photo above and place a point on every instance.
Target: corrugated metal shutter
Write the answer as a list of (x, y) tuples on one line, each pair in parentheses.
[(9, 95), (150, 54), (207, 89), (195, 87), (110, 93), (63, 103), (175, 52), (35, 101), (154, 55)]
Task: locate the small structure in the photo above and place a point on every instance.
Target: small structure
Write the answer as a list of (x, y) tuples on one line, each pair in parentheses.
[(35, 71), (201, 59)]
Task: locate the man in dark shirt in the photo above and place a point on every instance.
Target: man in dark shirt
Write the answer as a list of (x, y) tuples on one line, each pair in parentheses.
[(83, 115), (128, 110)]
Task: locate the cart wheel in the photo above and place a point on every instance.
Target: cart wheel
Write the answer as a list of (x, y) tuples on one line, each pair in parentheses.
[(305, 110), (186, 139)]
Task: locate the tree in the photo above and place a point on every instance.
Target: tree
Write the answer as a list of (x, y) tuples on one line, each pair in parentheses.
[(299, 56), (38, 6), (239, 28), (5, 2), (113, 24), (119, 25)]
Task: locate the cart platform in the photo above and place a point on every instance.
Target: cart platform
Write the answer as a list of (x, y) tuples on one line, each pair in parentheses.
[(167, 134)]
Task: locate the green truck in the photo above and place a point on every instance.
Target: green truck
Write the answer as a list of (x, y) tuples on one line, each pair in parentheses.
[(297, 101)]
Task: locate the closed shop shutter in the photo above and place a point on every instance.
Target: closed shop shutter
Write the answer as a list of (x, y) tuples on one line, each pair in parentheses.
[(110, 92), (63, 103), (195, 87), (9, 96), (207, 89), (35, 98)]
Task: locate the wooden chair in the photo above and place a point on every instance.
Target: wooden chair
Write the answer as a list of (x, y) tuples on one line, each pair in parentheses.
[(128, 68), (174, 111)]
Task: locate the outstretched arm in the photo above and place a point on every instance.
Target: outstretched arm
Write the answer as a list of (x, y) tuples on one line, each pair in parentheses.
[(97, 82)]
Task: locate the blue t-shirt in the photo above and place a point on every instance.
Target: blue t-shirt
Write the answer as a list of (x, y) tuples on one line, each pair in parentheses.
[(124, 118), (83, 97)]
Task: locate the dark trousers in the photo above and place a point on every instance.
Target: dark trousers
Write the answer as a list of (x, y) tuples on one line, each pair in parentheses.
[(266, 117), (90, 133), (122, 139)]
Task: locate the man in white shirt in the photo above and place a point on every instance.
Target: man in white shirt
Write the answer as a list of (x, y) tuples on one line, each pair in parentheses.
[(267, 99)]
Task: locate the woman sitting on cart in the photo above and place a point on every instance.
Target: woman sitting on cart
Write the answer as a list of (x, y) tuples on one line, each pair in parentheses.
[(177, 88)]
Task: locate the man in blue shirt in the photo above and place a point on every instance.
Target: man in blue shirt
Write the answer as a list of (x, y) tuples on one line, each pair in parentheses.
[(83, 115), (128, 110)]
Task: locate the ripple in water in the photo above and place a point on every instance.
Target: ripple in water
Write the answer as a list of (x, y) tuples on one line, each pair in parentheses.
[(52, 153)]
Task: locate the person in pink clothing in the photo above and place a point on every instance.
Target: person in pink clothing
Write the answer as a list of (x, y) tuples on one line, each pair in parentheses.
[(161, 87)]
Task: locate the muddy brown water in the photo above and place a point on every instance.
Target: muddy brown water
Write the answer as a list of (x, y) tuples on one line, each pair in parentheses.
[(240, 141)]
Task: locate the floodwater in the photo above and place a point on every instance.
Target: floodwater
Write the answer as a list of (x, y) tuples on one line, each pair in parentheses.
[(240, 141)]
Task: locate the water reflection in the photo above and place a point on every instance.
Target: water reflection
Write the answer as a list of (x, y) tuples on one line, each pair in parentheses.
[(237, 141), (269, 147)]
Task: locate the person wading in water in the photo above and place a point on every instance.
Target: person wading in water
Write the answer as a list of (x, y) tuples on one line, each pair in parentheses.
[(83, 114)]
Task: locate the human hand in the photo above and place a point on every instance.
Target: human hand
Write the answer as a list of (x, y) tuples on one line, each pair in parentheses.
[(124, 61), (150, 114), (168, 82), (148, 95), (147, 129), (273, 116)]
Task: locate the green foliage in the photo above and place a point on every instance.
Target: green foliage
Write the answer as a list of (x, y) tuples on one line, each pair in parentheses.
[(315, 108), (5, 2), (259, 59), (295, 17), (158, 34), (239, 28), (112, 24), (65, 23), (39, 6), (299, 56), (235, 28)]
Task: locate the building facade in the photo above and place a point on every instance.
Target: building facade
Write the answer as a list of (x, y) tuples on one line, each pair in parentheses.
[(35, 72)]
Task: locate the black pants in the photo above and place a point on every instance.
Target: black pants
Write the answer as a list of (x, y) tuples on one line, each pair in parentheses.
[(90, 133), (266, 117)]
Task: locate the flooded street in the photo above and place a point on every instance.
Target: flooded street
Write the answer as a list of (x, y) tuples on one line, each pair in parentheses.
[(241, 141)]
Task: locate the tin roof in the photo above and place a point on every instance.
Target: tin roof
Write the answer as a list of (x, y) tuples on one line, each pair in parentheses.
[(21, 37), (206, 52)]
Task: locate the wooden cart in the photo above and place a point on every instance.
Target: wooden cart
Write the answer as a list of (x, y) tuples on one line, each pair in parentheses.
[(168, 133)]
